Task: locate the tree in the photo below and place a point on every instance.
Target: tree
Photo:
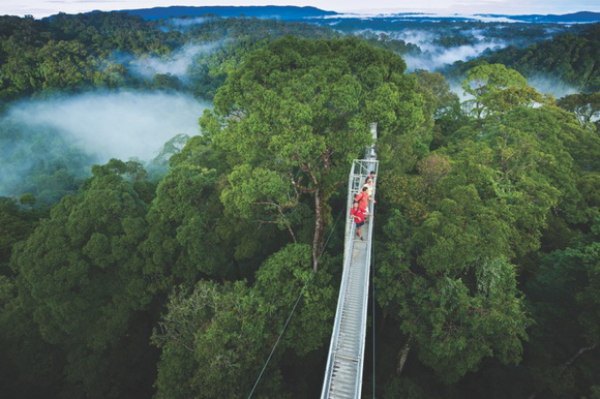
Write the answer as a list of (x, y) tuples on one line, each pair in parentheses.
[(440, 99), (441, 104), (81, 276), (182, 243), (496, 88), (565, 298), (585, 106), (460, 227), (15, 225), (567, 57), (217, 333), (292, 118), (450, 285), (29, 366)]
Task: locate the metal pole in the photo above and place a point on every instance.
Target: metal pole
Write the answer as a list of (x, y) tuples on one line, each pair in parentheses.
[(371, 153)]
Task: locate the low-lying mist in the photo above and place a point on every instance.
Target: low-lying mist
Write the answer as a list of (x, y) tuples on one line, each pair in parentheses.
[(543, 84), (124, 124), (177, 63), (184, 23), (59, 137), (434, 56), (548, 85)]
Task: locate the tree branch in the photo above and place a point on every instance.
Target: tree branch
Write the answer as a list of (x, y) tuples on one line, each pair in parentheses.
[(284, 219), (568, 364)]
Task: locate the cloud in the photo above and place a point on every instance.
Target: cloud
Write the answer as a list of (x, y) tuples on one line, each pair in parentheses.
[(123, 124), (542, 83), (438, 57), (416, 16), (187, 22), (176, 64), (434, 56), (548, 85)]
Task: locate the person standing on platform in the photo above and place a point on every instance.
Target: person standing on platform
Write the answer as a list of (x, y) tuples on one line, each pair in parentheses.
[(359, 218), (370, 184), (363, 200)]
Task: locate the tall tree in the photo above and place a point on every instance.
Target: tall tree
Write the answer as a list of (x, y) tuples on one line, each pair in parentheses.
[(462, 224), (292, 118), (220, 333), (565, 298), (585, 106), (81, 276), (496, 88)]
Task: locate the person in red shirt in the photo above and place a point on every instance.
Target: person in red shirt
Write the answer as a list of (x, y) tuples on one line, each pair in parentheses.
[(359, 218), (363, 200)]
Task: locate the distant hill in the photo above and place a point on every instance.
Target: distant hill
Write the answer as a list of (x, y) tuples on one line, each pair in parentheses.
[(293, 13), (573, 58), (575, 18), (286, 13)]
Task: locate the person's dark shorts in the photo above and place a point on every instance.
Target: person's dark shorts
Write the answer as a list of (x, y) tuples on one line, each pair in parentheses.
[(359, 224)]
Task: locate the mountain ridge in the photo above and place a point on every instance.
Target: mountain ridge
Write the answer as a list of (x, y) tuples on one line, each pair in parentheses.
[(296, 13), (271, 12)]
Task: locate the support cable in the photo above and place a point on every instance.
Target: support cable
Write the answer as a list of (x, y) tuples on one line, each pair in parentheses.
[(291, 314), (373, 313), (277, 342)]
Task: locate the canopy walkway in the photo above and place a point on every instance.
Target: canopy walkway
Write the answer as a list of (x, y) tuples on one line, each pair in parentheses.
[(343, 375)]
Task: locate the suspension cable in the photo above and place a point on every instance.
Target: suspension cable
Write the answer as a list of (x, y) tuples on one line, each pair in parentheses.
[(277, 342), (291, 313), (373, 313)]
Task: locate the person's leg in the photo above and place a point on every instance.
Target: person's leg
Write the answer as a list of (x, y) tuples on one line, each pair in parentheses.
[(359, 230)]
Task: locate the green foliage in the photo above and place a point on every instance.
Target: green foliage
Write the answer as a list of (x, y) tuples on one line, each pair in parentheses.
[(440, 100), (292, 117), (159, 165), (496, 89), (461, 295), (405, 388), (585, 106), (404, 123), (69, 52), (40, 163), (223, 333), (81, 276), (441, 104), (29, 366), (570, 57), (15, 225), (182, 220), (460, 227), (565, 297), (486, 248), (390, 43), (233, 38)]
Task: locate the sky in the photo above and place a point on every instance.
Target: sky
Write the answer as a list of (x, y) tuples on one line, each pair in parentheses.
[(43, 8)]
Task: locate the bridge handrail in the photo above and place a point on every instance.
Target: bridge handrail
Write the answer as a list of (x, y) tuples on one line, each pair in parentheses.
[(360, 170)]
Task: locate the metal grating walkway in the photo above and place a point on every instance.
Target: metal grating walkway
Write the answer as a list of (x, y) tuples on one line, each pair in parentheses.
[(343, 375)]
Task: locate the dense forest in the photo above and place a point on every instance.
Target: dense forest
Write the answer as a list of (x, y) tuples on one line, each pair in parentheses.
[(572, 58), (127, 280)]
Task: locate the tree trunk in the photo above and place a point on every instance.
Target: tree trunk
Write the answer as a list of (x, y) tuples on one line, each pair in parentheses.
[(402, 356), (318, 233)]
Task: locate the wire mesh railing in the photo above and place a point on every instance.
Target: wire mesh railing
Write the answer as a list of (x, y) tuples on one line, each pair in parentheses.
[(361, 169)]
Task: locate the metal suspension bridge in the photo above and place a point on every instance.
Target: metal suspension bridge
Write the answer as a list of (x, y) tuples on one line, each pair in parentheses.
[(343, 374)]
